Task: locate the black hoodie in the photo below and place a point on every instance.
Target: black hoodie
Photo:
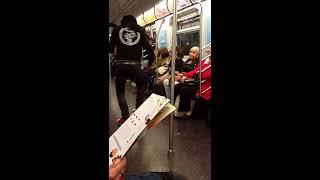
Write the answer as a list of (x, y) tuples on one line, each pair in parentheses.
[(128, 39)]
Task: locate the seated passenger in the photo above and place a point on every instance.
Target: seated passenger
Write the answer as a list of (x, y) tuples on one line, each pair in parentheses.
[(181, 66), (159, 68), (164, 80), (188, 91)]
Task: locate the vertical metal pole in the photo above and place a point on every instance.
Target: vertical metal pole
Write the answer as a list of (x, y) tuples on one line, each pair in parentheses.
[(110, 55), (156, 46), (200, 54), (174, 42)]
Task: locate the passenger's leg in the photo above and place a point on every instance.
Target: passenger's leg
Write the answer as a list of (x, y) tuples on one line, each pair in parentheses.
[(167, 87), (159, 89), (187, 92), (177, 91), (177, 97), (120, 89), (141, 81), (192, 104), (150, 81), (148, 84)]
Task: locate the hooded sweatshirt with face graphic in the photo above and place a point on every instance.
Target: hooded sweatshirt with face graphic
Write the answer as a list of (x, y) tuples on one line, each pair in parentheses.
[(128, 40)]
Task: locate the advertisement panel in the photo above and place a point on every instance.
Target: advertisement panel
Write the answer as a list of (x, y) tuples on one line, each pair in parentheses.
[(180, 4), (140, 20), (161, 9), (149, 16), (195, 1)]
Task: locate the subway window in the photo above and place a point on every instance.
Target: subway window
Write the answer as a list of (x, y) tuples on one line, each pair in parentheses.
[(188, 33), (187, 40)]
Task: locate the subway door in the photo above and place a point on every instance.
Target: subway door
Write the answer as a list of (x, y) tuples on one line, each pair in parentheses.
[(206, 22)]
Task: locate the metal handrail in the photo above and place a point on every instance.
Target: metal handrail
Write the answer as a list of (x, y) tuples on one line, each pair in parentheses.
[(205, 46), (204, 69), (205, 57), (200, 66), (206, 89)]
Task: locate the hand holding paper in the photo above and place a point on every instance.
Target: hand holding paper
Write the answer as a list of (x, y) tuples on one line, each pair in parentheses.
[(147, 116)]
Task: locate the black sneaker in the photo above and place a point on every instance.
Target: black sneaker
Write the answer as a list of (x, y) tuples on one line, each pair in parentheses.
[(165, 175)]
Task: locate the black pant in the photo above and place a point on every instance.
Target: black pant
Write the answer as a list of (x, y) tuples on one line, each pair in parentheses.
[(186, 92), (159, 89), (124, 72)]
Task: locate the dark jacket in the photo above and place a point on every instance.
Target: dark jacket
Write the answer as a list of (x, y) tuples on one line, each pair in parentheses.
[(128, 42), (178, 64), (186, 67)]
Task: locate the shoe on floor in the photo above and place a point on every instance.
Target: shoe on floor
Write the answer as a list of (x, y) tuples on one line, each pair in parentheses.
[(189, 113), (179, 114), (120, 121)]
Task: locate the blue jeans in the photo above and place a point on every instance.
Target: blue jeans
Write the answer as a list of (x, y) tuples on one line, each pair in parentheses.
[(146, 176)]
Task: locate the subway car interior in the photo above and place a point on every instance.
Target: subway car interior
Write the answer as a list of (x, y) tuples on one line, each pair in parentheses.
[(181, 143)]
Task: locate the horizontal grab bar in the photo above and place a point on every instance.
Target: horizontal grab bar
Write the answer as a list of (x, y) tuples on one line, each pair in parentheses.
[(205, 57), (206, 90), (206, 46), (204, 68)]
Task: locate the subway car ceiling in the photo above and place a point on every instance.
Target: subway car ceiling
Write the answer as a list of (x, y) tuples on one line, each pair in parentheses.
[(119, 8)]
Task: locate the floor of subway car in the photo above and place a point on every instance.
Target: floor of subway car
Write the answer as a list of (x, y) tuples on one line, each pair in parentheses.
[(191, 159)]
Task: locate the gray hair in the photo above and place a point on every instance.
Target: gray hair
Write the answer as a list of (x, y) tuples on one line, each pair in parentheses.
[(196, 48)]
